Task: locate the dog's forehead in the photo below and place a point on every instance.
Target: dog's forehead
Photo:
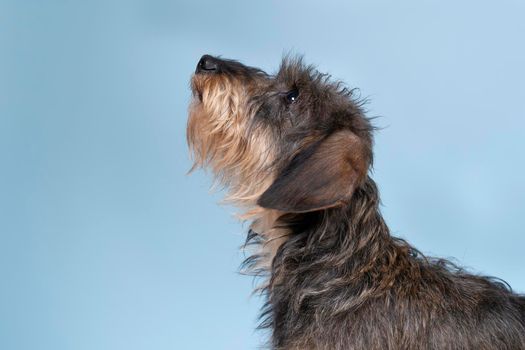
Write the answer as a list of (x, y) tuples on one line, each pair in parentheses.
[(294, 74), (294, 71)]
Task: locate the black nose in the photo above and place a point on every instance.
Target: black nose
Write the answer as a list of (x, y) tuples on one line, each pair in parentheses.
[(207, 64)]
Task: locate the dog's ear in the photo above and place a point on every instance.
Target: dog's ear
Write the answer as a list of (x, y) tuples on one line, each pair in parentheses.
[(322, 176)]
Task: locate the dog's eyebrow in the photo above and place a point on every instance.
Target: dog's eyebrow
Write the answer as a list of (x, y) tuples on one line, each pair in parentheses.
[(278, 93)]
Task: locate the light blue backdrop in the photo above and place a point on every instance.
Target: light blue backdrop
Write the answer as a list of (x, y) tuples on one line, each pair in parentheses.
[(105, 243)]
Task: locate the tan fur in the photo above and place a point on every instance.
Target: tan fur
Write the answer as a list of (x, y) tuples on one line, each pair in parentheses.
[(274, 236), (240, 160)]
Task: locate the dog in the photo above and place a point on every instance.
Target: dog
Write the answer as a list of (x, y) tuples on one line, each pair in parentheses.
[(294, 150)]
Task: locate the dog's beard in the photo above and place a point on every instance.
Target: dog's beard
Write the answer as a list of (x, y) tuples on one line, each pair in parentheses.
[(221, 136)]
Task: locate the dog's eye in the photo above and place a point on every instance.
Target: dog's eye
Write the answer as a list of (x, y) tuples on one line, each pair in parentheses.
[(292, 95)]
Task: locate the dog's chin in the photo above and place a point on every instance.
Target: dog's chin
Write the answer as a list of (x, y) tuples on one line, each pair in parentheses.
[(197, 86)]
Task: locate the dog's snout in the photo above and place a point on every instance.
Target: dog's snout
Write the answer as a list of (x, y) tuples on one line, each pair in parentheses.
[(207, 64)]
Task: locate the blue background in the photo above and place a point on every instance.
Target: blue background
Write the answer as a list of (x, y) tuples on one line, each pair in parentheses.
[(105, 243)]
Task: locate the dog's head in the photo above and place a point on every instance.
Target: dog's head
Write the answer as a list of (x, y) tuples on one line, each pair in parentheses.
[(294, 141)]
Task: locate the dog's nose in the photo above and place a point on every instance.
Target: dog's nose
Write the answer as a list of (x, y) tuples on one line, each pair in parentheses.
[(207, 64)]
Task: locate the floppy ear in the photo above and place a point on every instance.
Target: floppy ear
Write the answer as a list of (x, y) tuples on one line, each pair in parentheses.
[(324, 175)]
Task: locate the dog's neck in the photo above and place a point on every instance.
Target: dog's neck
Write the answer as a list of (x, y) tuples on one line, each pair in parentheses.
[(347, 248), (355, 227), (354, 236)]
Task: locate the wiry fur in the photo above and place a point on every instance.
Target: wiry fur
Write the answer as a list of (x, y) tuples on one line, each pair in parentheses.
[(336, 278), (218, 135)]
